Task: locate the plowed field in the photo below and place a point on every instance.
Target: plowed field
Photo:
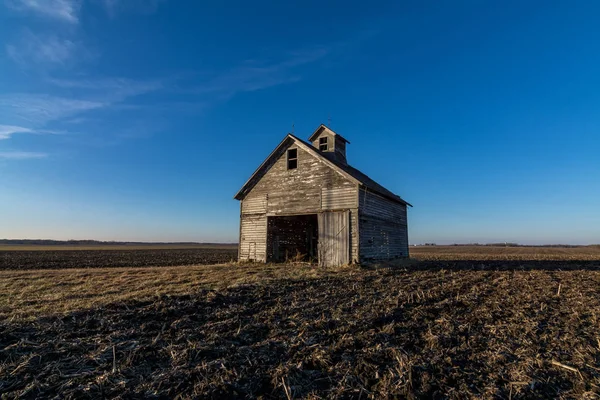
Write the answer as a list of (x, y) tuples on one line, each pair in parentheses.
[(101, 258), (453, 328)]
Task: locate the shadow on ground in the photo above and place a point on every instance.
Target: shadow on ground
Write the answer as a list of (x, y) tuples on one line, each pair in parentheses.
[(491, 265), (452, 331)]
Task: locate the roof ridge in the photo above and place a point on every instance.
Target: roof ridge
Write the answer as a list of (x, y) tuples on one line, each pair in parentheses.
[(349, 171), (322, 126)]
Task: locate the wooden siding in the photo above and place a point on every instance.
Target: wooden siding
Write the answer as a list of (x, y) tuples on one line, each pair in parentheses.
[(298, 191), (376, 226), (382, 240), (330, 140), (383, 228), (340, 150), (253, 238), (338, 198), (310, 188), (379, 207), (336, 145), (334, 238), (354, 237), (255, 205)]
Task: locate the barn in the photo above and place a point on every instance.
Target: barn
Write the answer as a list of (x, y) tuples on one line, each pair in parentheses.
[(306, 202)]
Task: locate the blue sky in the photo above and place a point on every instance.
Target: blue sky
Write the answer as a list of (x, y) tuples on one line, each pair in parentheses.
[(140, 119)]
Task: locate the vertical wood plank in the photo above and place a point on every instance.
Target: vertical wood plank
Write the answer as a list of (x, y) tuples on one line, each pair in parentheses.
[(334, 238)]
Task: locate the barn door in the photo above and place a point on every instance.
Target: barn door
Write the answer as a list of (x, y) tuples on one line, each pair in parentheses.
[(334, 238)]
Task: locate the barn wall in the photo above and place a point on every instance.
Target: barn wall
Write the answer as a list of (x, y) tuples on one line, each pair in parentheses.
[(311, 188), (255, 205), (383, 228), (354, 237), (253, 237), (334, 238), (339, 198), (379, 207), (298, 190)]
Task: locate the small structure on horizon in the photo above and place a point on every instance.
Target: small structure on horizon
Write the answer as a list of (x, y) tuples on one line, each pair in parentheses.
[(305, 202)]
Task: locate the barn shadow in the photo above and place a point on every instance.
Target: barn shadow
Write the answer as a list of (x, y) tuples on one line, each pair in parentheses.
[(488, 265)]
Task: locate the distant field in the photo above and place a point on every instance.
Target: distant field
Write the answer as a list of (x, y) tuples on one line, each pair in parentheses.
[(124, 256), (66, 247), (23, 257), (504, 253)]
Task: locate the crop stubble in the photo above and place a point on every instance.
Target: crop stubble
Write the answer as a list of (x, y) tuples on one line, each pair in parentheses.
[(434, 329)]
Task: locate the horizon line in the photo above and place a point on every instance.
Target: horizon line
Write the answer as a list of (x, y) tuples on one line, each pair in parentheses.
[(126, 242)]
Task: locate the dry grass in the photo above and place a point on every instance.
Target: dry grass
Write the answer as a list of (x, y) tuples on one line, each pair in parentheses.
[(29, 294)]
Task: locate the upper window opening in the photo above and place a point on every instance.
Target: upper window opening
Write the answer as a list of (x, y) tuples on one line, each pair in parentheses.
[(323, 144), (292, 158)]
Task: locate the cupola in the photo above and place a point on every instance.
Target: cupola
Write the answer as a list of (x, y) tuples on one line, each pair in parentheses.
[(332, 145)]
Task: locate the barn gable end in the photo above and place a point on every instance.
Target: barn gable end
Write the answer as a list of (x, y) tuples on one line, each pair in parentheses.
[(309, 189)]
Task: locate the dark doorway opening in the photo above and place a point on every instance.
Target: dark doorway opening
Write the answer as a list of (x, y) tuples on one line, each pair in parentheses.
[(292, 237)]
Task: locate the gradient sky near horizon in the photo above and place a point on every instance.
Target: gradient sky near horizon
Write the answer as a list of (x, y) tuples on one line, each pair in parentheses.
[(140, 119)]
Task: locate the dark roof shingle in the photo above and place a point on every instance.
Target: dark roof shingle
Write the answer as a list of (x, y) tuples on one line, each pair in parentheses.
[(356, 174)]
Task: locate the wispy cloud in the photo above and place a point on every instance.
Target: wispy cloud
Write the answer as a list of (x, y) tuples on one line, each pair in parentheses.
[(6, 131), (21, 155), (42, 49), (39, 109), (113, 88), (25, 112), (63, 10), (255, 75)]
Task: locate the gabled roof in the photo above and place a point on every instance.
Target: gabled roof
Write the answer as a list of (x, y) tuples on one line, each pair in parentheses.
[(349, 172), (322, 127)]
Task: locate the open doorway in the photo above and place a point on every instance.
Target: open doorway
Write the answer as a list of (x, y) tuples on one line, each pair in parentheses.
[(292, 237)]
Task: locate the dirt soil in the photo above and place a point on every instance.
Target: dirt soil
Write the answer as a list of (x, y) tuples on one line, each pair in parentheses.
[(55, 259), (427, 331)]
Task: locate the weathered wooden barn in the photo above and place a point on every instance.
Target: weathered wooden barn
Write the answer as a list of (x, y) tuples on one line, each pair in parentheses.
[(305, 201)]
